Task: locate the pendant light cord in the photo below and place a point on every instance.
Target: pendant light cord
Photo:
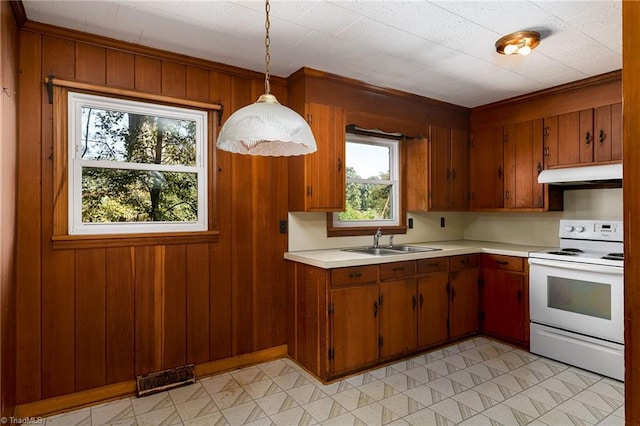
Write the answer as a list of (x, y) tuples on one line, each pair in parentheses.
[(267, 56)]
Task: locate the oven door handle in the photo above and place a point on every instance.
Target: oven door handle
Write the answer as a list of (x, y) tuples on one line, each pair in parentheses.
[(577, 266)]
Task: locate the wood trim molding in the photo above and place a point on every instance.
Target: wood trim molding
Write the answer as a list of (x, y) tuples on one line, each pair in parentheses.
[(306, 72), (128, 388), (580, 84), (71, 242), (124, 46), (132, 94), (18, 12)]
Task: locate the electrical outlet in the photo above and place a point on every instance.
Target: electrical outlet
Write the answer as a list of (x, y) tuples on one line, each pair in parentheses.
[(410, 223), (283, 226), (442, 222)]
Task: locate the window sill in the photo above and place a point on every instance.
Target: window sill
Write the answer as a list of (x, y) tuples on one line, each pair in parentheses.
[(351, 232), (67, 242)]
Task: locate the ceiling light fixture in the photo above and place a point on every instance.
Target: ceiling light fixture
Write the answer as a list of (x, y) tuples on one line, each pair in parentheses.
[(266, 127), (521, 42)]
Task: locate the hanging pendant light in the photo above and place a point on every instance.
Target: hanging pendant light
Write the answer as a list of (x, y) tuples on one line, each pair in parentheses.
[(266, 127)]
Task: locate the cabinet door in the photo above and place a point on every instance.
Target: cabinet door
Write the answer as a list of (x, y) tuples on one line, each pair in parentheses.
[(440, 168), (416, 174), (523, 163), (586, 137), (569, 138), (325, 174), (608, 136), (397, 317), (433, 309), (463, 313), (487, 169), (459, 170), (503, 303), (354, 327), (550, 133)]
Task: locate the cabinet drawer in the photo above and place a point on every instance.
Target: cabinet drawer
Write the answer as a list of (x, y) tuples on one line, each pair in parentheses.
[(510, 263), (431, 266), (397, 270), (354, 275), (464, 261)]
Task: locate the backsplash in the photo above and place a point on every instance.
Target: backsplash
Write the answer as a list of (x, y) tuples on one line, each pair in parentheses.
[(308, 231)]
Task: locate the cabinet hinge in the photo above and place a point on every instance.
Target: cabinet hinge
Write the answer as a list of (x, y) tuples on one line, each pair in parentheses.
[(332, 354), (429, 195), (331, 309), (309, 191), (481, 316), (506, 138), (380, 341)]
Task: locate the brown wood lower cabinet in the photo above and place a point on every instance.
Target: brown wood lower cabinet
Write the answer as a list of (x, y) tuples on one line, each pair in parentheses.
[(433, 301), (398, 303), (505, 298), (346, 319), (354, 327), (463, 305)]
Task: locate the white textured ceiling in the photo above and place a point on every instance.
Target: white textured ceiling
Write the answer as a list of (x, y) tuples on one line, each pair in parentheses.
[(439, 49)]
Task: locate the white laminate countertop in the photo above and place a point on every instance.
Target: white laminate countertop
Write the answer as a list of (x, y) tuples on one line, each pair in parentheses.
[(337, 258)]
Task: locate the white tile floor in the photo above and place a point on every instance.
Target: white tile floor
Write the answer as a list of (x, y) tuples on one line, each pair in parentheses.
[(474, 382)]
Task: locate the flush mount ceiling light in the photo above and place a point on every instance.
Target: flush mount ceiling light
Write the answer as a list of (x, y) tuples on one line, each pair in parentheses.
[(266, 127), (522, 42)]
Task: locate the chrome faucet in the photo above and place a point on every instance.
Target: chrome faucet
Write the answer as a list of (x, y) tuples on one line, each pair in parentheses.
[(376, 238), (390, 241)]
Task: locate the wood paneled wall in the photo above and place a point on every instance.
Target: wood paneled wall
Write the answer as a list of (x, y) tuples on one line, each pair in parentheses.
[(95, 316), (8, 177), (631, 201)]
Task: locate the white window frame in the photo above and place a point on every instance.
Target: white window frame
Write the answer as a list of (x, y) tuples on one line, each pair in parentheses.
[(394, 181), (76, 101)]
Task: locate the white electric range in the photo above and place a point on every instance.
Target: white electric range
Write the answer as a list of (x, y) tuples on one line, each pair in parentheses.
[(577, 297)]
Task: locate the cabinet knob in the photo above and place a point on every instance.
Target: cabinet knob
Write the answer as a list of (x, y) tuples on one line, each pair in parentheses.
[(500, 172), (375, 309), (539, 168), (603, 135), (414, 301), (587, 138), (339, 164), (421, 300)]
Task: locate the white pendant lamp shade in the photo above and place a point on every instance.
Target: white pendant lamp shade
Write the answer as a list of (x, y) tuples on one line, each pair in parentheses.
[(266, 128)]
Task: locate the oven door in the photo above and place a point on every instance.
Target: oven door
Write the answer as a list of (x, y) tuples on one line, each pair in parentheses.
[(579, 297)]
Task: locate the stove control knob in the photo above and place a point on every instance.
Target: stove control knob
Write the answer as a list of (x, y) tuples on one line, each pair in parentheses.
[(569, 228), (579, 228)]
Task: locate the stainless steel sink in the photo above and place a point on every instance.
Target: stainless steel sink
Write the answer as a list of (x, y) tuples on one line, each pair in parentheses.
[(373, 250), (412, 249), (390, 250)]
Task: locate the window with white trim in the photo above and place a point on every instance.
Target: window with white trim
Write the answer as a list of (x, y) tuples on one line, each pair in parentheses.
[(372, 183), (135, 167)]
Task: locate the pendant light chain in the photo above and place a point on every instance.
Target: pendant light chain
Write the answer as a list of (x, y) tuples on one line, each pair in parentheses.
[(267, 56)]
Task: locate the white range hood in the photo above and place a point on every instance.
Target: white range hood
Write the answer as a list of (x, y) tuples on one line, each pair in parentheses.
[(582, 175)]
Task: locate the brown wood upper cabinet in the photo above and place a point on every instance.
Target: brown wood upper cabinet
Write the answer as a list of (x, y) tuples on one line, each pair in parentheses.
[(317, 181), (505, 164), (523, 163), (583, 137), (437, 170), (487, 169)]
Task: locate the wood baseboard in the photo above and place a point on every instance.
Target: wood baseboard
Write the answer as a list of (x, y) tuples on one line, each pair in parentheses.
[(81, 399)]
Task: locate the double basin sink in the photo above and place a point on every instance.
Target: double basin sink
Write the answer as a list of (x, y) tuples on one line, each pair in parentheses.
[(390, 250)]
